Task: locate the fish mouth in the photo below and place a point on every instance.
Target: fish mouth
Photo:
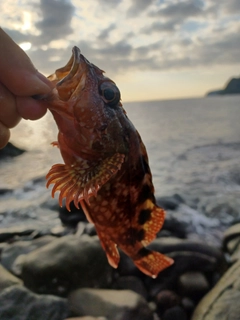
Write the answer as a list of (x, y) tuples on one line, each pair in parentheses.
[(76, 63), (72, 77)]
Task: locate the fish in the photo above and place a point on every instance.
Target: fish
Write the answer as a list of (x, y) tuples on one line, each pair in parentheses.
[(106, 169)]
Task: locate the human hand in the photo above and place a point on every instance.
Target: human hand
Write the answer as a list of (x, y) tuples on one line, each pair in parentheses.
[(19, 82)]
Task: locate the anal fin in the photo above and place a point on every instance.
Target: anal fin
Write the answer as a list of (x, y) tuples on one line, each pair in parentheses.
[(110, 248)]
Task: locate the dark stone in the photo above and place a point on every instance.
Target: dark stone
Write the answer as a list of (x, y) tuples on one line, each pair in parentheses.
[(193, 284), (16, 302), (112, 304), (174, 227), (71, 218), (166, 299), (10, 151), (66, 264), (175, 313), (188, 305), (7, 279), (131, 283), (171, 202), (9, 233), (188, 256), (4, 191), (19, 248)]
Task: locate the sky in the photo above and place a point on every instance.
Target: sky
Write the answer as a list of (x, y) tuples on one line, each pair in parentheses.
[(152, 49)]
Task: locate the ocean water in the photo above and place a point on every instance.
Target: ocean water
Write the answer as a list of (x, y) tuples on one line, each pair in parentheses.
[(193, 147)]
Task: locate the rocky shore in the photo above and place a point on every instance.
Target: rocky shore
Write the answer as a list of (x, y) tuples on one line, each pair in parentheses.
[(52, 265)]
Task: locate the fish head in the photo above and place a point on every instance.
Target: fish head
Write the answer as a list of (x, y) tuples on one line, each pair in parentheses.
[(86, 106)]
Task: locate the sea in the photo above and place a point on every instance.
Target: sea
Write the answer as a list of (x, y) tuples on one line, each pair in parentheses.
[(193, 147)]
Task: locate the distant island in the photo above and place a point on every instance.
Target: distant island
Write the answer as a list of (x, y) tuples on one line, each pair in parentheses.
[(232, 87)]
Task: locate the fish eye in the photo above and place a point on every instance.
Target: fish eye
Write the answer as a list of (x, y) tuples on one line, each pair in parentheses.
[(110, 93)]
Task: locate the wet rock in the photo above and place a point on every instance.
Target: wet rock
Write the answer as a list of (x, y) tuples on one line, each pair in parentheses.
[(126, 266), (188, 256), (87, 318), (131, 283), (112, 304), (174, 227), (193, 284), (174, 313), (10, 151), (188, 305), (222, 302), (7, 279), (9, 233), (166, 299), (71, 218), (230, 234), (12, 251), (171, 202), (4, 191), (16, 302), (66, 264)]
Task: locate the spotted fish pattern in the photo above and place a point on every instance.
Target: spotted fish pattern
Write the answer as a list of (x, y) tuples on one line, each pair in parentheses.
[(106, 168)]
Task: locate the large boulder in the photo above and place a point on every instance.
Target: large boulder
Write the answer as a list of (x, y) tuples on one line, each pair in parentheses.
[(7, 279), (66, 264), (112, 304), (17, 302), (222, 302)]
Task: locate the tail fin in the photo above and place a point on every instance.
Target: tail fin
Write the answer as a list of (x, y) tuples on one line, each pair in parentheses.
[(152, 262)]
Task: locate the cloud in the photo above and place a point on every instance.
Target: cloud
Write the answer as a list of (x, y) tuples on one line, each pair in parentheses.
[(104, 34), (161, 35), (169, 17), (138, 6), (56, 19)]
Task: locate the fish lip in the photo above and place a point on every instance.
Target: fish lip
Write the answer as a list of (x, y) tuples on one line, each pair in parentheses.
[(76, 61)]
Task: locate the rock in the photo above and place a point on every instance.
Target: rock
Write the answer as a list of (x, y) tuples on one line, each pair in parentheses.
[(10, 151), (16, 302), (166, 299), (87, 318), (7, 279), (231, 233), (9, 233), (188, 305), (112, 304), (188, 256), (175, 313), (12, 251), (222, 302), (71, 218), (174, 227), (66, 264), (170, 203), (131, 283), (193, 284)]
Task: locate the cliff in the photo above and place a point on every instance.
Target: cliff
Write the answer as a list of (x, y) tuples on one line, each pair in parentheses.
[(232, 87)]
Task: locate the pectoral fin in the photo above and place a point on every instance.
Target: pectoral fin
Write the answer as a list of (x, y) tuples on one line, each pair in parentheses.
[(83, 179)]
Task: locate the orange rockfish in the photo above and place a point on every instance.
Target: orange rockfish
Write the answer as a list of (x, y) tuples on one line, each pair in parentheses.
[(106, 167)]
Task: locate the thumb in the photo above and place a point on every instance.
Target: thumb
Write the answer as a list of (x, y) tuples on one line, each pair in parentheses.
[(17, 72)]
